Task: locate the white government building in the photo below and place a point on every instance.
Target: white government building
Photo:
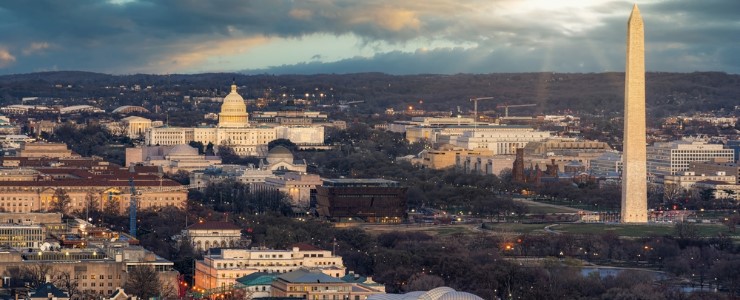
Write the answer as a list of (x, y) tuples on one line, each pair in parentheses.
[(234, 130), (672, 158)]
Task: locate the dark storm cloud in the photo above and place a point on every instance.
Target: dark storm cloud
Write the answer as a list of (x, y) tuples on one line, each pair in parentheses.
[(449, 60), (174, 35)]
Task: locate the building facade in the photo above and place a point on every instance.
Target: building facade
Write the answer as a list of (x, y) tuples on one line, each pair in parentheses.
[(107, 185), (21, 236), (687, 179), (211, 234), (672, 158), (447, 156), (97, 271), (500, 142), (607, 163), (368, 200), (720, 189), (234, 130), (307, 283), (300, 187), (716, 165), (44, 150), (222, 270), (170, 158), (135, 127)]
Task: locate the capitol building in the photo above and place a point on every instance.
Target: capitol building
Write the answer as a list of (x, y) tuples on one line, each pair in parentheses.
[(235, 131)]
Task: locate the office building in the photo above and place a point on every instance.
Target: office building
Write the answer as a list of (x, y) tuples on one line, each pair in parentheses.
[(366, 200), (306, 283), (212, 234), (45, 150), (221, 269), (299, 187), (447, 156), (170, 158), (672, 158), (715, 166)]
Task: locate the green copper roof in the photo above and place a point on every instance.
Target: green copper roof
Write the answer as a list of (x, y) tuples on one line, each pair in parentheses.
[(258, 278)]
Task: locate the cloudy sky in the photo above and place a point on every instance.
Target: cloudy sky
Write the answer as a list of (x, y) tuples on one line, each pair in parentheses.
[(343, 36)]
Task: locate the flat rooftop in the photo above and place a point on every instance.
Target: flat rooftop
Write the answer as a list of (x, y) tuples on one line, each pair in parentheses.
[(360, 182)]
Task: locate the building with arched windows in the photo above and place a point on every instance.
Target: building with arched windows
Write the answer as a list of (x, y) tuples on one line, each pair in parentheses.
[(220, 269), (234, 130), (207, 235)]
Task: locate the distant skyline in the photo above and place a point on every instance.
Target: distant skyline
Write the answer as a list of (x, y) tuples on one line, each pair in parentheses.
[(335, 36)]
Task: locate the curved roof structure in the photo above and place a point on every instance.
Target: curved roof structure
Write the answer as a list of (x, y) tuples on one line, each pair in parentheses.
[(129, 109), (78, 108), (278, 154), (440, 293), (183, 150)]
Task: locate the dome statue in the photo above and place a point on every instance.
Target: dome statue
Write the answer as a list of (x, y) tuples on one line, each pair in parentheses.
[(233, 110), (279, 154)]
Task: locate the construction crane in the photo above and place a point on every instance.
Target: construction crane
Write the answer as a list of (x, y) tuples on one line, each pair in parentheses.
[(132, 208), (506, 107), (475, 111)]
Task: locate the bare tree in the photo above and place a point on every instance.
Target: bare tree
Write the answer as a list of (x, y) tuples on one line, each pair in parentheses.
[(91, 203), (37, 273), (111, 207), (66, 282), (423, 282), (61, 201), (671, 192), (117, 129), (18, 276), (144, 282)]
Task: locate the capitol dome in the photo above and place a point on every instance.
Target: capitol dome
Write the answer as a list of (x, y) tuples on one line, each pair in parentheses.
[(233, 110), (278, 154)]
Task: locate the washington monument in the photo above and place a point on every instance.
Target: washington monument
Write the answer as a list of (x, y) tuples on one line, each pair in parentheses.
[(634, 170)]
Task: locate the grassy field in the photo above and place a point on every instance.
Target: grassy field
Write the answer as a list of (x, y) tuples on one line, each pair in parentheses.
[(706, 230), (515, 228), (541, 209), (534, 207), (434, 230), (634, 231)]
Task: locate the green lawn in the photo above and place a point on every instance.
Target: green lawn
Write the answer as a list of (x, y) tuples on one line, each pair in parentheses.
[(534, 207), (706, 230), (448, 230), (515, 227)]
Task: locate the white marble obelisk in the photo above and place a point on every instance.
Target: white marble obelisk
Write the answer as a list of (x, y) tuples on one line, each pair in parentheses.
[(634, 172)]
